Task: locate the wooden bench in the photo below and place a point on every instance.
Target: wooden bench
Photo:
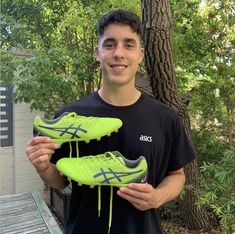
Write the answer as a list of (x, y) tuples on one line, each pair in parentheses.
[(26, 213)]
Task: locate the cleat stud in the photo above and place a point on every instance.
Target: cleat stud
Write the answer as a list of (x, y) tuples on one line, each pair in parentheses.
[(87, 141), (98, 139), (116, 131), (109, 134), (92, 186), (61, 174)]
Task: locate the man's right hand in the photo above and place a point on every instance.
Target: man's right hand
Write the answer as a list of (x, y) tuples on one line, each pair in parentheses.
[(39, 150)]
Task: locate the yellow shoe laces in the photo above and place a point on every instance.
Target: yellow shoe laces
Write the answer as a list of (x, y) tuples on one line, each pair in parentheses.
[(99, 191), (110, 205), (71, 149)]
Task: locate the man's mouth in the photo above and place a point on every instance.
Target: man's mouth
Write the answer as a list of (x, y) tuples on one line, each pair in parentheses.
[(118, 67)]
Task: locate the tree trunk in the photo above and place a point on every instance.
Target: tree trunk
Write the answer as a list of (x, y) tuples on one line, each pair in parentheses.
[(157, 26)]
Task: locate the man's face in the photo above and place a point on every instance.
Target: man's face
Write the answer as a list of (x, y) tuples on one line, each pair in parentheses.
[(119, 53)]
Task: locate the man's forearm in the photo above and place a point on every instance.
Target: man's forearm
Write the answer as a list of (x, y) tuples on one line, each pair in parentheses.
[(53, 178), (170, 187)]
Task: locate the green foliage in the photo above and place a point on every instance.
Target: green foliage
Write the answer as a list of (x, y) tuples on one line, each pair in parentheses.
[(50, 76), (219, 189), (204, 56), (133, 5), (48, 57), (48, 49), (203, 48), (208, 147)]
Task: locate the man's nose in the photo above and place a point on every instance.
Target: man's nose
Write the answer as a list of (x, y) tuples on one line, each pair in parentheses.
[(119, 51)]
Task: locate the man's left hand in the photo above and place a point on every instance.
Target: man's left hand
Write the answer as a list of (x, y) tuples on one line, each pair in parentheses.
[(141, 196)]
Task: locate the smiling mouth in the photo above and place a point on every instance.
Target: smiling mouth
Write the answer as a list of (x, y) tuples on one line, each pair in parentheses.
[(118, 67)]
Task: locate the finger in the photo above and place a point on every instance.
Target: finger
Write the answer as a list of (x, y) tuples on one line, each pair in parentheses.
[(50, 145), (37, 140), (42, 148), (40, 139), (140, 187), (122, 193), (41, 159), (41, 163), (133, 193), (136, 201), (139, 206), (38, 153)]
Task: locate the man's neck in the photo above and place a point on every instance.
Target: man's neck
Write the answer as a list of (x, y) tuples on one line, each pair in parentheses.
[(119, 97)]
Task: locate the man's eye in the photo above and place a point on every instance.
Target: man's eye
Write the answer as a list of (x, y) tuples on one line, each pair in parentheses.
[(109, 45), (129, 45)]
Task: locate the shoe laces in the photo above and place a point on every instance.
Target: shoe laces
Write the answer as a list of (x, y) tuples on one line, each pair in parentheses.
[(107, 158), (110, 205), (74, 115), (71, 149)]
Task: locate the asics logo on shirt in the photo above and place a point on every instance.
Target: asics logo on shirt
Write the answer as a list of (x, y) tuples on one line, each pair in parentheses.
[(145, 138)]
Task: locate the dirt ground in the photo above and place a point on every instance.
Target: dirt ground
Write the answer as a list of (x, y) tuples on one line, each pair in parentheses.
[(176, 228)]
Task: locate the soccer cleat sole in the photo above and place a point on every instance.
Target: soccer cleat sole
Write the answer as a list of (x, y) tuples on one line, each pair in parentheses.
[(143, 180)]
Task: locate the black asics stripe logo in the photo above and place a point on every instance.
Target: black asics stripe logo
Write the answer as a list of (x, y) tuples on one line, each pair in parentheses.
[(113, 174)]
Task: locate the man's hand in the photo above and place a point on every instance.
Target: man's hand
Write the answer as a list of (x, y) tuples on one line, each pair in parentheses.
[(141, 196), (39, 150), (144, 196)]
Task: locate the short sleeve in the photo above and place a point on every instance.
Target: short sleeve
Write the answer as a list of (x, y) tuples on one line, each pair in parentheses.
[(181, 152)]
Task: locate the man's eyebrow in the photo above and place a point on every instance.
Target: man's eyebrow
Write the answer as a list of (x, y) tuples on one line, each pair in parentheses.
[(109, 40), (114, 40), (131, 40)]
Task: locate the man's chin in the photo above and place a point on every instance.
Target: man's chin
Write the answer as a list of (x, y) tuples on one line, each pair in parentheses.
[(120, 81)]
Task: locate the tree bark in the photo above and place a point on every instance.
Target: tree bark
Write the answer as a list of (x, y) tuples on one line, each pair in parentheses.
[(157, 26)]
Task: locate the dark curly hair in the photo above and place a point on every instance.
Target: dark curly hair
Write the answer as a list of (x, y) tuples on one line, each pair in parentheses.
[(120, 17)]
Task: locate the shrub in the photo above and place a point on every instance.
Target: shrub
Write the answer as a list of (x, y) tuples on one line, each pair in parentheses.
[(218, 184)]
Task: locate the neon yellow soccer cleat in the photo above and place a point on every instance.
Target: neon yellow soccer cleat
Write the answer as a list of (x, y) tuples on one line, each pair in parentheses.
[(110, 168), (72, 127)]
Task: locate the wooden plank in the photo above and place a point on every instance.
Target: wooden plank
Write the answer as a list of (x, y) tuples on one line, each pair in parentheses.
[(26, 213), (46, 214)]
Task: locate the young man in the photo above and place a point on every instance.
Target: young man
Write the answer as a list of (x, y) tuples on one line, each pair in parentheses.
[(149, 128)]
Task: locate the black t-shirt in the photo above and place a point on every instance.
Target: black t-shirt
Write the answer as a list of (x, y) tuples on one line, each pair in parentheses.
[(151, 129)]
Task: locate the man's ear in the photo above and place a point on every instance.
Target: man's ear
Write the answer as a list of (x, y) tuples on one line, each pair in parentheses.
[(97, 54), (141, 54)]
